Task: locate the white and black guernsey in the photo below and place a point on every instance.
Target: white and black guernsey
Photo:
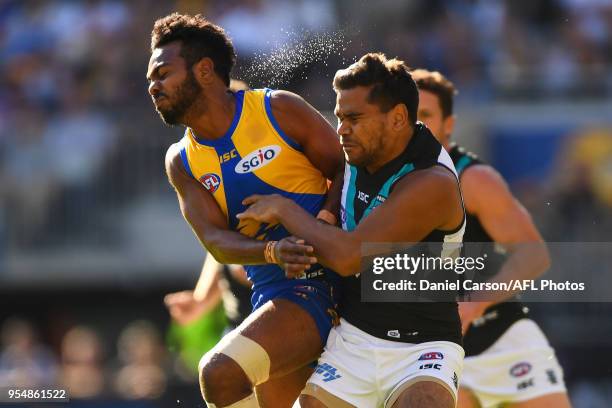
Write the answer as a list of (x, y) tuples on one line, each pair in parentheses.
[(499, 317), (409, 322)]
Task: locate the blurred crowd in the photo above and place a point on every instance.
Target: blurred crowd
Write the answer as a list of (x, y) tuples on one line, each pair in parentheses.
[(137, 369), (92, 365), (70, 71)]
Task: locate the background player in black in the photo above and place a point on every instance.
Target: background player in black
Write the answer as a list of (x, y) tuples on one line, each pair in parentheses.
[(376, 106), (493, 215), (217, 282)]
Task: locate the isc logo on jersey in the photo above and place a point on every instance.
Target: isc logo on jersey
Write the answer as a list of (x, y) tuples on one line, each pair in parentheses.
[(257, 159), (211, 182)]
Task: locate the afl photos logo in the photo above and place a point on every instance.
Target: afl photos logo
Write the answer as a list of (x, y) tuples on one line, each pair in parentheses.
[(257, 159), (211, 182)]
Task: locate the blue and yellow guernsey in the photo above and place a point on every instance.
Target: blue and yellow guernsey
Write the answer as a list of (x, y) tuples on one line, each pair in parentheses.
[(254, 157)]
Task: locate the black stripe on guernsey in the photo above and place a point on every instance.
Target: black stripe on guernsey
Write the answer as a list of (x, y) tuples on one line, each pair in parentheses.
[(499, 317), (407, 322), (462, 159), (494, 322)]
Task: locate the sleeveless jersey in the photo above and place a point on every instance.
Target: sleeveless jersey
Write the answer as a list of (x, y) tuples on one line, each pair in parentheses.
[(498, 317), (255, 157), (409, 322)]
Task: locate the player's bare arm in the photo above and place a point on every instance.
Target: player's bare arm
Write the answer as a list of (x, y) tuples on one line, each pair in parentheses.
[(189, 305), (421, 202), (503, 217), (318, 139), (210, 224)]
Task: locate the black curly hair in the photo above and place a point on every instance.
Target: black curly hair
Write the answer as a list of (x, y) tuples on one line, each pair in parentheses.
[(199, 39), (390, 80)]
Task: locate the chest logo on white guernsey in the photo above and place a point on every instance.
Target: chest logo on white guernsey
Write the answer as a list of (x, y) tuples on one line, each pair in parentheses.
[(257, 159), (211, 182)]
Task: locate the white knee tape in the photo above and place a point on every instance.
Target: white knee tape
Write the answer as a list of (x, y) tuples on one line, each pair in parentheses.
[(248, 402), (250, 356)]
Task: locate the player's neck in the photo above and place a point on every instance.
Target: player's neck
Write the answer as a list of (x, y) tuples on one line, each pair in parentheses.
[(217, 117)]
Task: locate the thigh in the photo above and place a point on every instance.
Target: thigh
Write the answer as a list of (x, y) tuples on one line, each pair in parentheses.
[(520, 366), (320, 398), (345, 375), (282, 392), (287, 332), (467, 399), (425, 394), (558, 400)]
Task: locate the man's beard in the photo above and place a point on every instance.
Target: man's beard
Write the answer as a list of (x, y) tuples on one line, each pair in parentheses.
[(370, 152), (187, 95)]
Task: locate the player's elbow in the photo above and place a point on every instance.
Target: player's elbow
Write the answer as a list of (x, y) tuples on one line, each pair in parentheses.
[(214, 248), (214, 244), (539, 258)]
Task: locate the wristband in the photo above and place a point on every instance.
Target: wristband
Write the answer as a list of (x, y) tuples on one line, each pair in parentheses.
[(269, 253)]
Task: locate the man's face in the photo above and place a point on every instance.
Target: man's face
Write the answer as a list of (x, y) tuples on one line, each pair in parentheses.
[(430, 113), (173, 88), (361, 125)]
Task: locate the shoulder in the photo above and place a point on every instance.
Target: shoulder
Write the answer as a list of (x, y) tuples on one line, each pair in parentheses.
[(482, 177), (484, 189), (437, 179), (173, 154), (297, 118), (288, 103), (173, 162)]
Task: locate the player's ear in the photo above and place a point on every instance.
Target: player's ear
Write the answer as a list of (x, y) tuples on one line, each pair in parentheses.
[(204, 71), (399, 117)]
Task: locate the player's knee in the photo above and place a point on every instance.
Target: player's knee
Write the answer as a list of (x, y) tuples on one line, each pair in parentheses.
[(222, 379), (425, 394)]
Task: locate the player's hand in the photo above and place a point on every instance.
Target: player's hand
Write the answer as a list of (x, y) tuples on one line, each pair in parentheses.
[(263, 208), (470, 311), (294, 256), (183, 307)]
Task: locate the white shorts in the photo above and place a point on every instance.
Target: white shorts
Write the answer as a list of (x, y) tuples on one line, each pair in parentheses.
[(364, 371), (518, 367)]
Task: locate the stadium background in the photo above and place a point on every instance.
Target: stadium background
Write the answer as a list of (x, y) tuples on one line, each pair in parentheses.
[(90, 233)]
